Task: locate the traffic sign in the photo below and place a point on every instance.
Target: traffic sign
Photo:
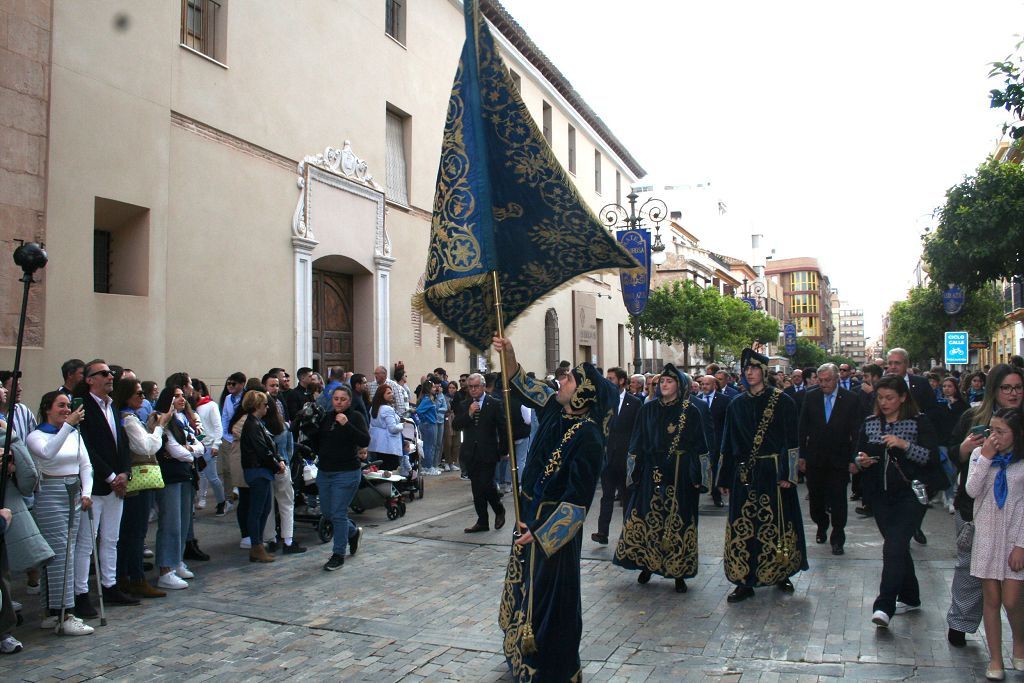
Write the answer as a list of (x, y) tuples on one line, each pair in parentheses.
[(957, 345), (952, 300)]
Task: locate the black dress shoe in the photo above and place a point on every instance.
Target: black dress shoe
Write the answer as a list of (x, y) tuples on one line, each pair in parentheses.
[(112, 596), (644, 577), (740, 594), (680, 585), (270, 546), (920, 537), (863, 511), (820, 537), (599, 538), (499, 519), (837, 549), (84, 608), (353, 541), (855, 496), (476, 528), (786, 586), (293, 549), (956, 638), (192, 552), (719, 504)]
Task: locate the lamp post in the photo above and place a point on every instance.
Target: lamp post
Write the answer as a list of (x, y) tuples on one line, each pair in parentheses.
[(622, 222), (753, 291)]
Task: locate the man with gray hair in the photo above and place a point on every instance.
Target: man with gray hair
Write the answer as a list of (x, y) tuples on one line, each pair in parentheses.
[(828, 426), (380, 376)]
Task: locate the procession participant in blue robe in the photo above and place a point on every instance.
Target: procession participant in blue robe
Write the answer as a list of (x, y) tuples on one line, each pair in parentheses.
[(540, 609), (668, 466), (764, 538)]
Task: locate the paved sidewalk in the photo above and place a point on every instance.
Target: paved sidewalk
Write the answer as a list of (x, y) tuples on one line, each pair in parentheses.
[(419, 602)]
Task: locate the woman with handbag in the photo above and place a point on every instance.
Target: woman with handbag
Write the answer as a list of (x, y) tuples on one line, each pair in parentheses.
[(180, 448), (260, 463), (146, 479), (1004, 389), (897, 450), (65, 488), (995, 480)]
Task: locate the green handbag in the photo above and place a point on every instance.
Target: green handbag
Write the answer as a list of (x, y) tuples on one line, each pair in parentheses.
[(144, 478)]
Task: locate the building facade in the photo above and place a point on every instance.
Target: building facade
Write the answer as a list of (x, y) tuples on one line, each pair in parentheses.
[(852, 343), (221, 190), (807, 295)]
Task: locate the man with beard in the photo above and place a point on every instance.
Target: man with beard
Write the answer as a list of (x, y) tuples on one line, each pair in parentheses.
[(764, 538), (670, 466), (540, 610)]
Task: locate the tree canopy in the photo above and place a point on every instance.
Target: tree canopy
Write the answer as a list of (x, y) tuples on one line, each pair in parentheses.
[(918, 323)]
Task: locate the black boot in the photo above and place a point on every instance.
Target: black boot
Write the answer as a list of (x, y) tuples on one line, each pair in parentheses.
[(84, 608), (680, 585), (192, 552), (644, 577)]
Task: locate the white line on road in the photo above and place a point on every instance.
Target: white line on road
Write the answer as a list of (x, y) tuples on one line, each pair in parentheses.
[(428, 520)]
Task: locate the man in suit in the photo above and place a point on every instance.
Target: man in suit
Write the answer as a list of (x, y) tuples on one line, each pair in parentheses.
[(105, 439), (481, 419), (613, 478), (828, 426), (718, 404), (846, 379), (797, 389)]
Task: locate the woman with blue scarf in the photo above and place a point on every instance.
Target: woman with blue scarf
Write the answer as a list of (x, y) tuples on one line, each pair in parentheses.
[(996, 482)]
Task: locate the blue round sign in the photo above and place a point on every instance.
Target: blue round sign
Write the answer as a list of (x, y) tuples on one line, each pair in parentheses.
[(952, 300)]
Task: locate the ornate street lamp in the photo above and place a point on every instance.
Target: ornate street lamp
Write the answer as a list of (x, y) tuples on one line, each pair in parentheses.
[(752, 294), (629, 228)]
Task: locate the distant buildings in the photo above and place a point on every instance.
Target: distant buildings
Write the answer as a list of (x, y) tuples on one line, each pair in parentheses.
[(807, 296), (852, 343)]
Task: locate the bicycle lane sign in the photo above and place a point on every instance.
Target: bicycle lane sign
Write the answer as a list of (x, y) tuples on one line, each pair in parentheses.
[(956, 348)]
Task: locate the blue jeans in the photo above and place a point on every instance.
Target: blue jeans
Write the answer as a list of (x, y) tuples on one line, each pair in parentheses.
[(337, 489), (429, 433), (261, 497), (503, 472), (209, 478), (522, 447), (175, 504)]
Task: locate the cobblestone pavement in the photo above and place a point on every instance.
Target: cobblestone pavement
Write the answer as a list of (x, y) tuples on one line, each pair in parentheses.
[(419, 602)]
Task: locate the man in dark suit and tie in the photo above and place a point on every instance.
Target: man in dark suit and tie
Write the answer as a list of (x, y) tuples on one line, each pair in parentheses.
[(828, 426), (797, 389), (846, 379), (613, 478), (105, 439), (718, 404), (481, 419)]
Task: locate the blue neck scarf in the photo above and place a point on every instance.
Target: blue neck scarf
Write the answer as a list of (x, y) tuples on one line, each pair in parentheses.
[(1000, 487), (47, 428)]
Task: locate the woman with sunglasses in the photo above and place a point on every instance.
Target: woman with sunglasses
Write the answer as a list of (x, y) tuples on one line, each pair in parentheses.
[(1004, 388)]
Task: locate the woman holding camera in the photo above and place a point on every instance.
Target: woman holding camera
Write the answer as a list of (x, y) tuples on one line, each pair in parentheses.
[(995, 480), (896, 447), (1004, 388)]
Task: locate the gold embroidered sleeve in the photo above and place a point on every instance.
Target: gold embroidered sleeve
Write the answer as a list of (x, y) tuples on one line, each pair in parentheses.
[(532, 390), (794, 459), (560, 527)]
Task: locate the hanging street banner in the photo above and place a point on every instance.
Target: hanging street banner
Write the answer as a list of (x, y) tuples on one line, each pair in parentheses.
[(750, 301), (789, 330), (636, 283), (957, 348)]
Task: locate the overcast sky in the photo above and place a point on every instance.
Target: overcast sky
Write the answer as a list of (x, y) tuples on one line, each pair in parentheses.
[(834, 130)]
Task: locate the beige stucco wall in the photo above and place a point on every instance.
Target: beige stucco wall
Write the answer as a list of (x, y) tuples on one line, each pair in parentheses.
[(221, 272)]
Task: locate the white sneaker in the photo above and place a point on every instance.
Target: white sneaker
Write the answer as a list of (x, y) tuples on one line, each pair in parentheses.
[(73, 626), (147, 553), (33, 590), (10, 645), (455, 468), (246, 543), (16, 606), (903, 608), (170, 581), (446, 467), (200, 504), (183, 572), (228, 506), (880, 619)]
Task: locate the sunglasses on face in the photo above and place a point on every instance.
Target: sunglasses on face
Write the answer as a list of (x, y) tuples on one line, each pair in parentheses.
[(104, 373)]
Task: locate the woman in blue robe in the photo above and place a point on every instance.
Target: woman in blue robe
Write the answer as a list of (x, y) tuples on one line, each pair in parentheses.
[(669, 467), (540, 609), (764, 538)]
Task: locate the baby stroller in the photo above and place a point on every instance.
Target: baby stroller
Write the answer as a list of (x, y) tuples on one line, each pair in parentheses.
[(303, 471), (378, 488), (412, 443)]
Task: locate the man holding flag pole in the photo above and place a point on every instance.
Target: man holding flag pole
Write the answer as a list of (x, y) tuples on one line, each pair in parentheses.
[(508, 228)]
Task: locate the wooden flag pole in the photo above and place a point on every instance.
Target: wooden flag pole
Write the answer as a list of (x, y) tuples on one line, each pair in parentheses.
[(508, 406)]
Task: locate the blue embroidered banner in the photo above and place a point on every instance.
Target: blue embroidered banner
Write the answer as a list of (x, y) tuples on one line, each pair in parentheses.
[(503, 204), (636, 285)]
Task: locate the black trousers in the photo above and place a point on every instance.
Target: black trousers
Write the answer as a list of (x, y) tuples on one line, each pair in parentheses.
[(898, 516), (613, 480), (826, 493), (481, 479)]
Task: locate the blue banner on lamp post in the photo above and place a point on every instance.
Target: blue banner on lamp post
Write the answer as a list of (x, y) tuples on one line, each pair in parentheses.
[(636, 285), (789, 330)]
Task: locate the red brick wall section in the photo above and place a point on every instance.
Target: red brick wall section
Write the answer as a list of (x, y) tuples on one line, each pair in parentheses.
[(24, 127)]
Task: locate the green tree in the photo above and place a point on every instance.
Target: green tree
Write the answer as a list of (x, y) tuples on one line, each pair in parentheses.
[(808, 354), (680, 312), (981, 228), (918, 323), (1011, 96)]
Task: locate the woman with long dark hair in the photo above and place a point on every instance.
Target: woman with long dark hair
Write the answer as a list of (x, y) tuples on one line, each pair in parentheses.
[(895, 448), (995, 480), (386, 431), (260, 462), (1004, 388)]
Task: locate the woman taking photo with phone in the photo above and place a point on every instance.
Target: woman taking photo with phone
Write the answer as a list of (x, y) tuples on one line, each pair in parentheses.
[(1004, 388), (896, 447), (995, 480)]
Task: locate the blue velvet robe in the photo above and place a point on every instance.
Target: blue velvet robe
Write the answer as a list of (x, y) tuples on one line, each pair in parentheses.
[(670, 466), (542, 581), (764, 539)]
